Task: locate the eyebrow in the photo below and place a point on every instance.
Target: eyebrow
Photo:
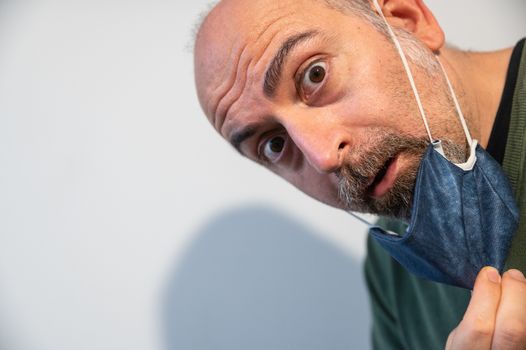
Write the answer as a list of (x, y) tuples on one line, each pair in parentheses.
[(273, 73), (271, 82), (239, 137)]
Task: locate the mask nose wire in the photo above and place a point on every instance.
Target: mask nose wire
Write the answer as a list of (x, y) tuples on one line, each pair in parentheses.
[(407, 69), (457, 105)]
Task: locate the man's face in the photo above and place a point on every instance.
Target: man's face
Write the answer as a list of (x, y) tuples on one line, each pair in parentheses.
[(320, 98)]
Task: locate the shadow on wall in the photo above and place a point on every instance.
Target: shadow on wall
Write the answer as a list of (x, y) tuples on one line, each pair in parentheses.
[(256, 279)]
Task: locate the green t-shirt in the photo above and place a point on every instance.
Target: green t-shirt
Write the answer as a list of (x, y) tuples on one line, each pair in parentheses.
[(412, 313)]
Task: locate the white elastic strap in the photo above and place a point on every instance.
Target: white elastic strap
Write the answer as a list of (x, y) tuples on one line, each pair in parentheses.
[(369, 225), (359, 218), (457, 105), (406, 66)]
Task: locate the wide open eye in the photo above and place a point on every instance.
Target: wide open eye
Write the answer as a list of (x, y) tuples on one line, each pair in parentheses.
[(273, 148), (312, 78)]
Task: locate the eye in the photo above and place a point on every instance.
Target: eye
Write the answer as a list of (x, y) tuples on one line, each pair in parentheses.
[(273, 147), (312, 78)]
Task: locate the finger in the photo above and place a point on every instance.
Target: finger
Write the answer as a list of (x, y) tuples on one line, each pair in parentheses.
[(475, 331), (510, 326)]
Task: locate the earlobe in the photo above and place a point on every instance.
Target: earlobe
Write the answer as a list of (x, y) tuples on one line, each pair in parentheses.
[(416, 18)]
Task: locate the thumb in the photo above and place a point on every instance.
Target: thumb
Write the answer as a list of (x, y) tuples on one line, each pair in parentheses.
[(475, 331)]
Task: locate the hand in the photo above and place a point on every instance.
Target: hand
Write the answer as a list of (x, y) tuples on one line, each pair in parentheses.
[(496, 315)]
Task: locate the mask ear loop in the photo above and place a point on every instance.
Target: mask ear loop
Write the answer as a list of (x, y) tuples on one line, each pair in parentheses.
[(407, 69), (370, 225), (415, 92), (457, 105)]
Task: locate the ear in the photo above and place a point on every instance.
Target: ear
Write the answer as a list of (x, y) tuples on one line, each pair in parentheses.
[(416, 18)]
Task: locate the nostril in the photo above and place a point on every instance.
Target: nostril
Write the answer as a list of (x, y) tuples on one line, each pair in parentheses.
[(341, 153), (342, 146)]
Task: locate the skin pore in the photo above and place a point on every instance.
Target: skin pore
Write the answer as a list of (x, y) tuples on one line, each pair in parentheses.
[(338, 118)]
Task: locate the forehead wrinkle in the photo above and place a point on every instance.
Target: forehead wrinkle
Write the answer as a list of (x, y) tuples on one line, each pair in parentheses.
[(225, 87), (232, 88), (219, 116), (226, 101), (270, 24), (234, 100), (267, 29), (248, 76), (235, 94)]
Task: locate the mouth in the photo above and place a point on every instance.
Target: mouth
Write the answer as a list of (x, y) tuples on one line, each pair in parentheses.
[(384, 179)]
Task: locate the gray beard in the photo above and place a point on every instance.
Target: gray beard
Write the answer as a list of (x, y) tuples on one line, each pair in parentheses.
[(354, 178)]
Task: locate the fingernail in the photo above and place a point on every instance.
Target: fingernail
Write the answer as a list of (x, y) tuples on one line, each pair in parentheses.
[(516, 274), (493, 274)]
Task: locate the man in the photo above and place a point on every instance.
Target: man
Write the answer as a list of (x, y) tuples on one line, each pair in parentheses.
[(316, 92)]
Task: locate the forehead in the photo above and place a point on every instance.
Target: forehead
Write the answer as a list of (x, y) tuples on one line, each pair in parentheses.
[(238, 31)]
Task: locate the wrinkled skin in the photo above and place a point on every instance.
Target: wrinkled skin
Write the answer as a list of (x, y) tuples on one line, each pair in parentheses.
[(363, 99)]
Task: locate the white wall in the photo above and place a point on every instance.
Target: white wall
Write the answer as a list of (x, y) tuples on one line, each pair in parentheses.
[(127, 223)]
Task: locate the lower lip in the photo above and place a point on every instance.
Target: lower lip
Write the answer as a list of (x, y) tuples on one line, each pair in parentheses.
[(387, 182)]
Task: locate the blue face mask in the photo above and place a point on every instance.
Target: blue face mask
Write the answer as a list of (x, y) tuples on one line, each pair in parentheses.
[(461, 221), (463, 216)]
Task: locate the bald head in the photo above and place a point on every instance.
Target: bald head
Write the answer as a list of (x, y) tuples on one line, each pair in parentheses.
[(228, 27), (294, 84), (219, 37), (219, 41)]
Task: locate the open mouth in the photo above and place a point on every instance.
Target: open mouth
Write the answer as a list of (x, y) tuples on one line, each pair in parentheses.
[(384, 179)]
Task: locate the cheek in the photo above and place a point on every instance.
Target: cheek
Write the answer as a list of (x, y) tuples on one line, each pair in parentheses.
[(378, 93), (366, 104), (393, 110)]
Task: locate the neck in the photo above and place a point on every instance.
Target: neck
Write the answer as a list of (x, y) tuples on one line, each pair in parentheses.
[(478, 79)]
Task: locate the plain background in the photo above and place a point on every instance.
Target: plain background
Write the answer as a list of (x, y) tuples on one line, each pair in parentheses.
[(127, 223)]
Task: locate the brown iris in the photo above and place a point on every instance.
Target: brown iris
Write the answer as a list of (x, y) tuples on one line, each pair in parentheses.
[(276, 144), (317, 74)]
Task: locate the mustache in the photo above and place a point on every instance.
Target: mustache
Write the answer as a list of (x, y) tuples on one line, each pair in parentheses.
[(356, 177)]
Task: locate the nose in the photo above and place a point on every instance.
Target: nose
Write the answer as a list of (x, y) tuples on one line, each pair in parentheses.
[(322, 141)]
